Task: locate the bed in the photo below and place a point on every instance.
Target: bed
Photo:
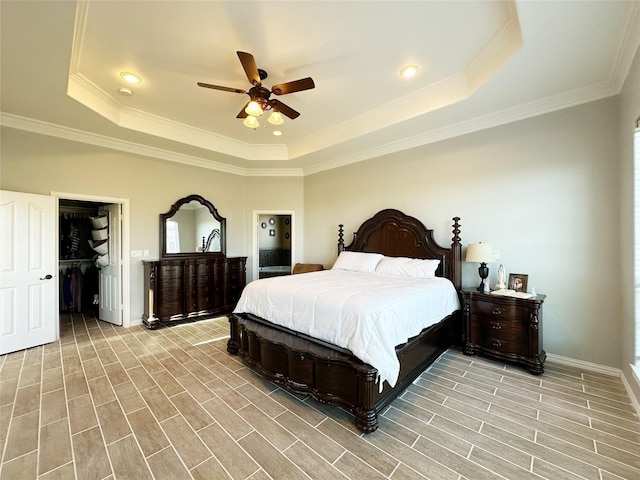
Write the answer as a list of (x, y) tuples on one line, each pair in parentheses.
[(334, 374)]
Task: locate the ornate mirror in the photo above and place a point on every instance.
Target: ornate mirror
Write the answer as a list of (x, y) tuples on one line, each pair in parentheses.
[(193, 226)]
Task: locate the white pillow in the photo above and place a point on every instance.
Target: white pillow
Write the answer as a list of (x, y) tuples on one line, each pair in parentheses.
[(357, 261), (408, 267)]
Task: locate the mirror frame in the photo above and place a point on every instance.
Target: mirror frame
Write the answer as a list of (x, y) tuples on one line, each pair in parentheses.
[(174, 209)]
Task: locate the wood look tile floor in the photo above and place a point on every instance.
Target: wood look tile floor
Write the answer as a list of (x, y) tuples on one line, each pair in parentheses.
[(106, 402)]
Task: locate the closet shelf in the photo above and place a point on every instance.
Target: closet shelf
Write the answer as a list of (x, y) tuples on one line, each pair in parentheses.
[(75, 260)]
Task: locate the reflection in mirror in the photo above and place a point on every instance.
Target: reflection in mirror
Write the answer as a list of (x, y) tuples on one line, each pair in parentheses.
[(192, 226), (192, 229)]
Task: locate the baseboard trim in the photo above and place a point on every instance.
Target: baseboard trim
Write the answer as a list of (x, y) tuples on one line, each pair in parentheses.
[(615, 372), (594, 367), (632, 388)]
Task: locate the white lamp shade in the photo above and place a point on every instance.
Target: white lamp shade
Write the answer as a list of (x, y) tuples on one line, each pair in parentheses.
[(275, 118), (251, 122), (480, 253), (253, 108)]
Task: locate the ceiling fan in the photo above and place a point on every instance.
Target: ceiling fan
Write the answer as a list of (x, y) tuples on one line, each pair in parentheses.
[(259, 96)]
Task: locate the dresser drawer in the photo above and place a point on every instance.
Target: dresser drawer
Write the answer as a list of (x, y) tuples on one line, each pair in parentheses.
[(171, 271), (235, 274)]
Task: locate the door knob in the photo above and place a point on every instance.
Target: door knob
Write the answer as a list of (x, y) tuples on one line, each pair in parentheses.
[(47, 277)]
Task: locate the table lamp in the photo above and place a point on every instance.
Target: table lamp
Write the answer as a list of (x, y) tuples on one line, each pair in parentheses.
[(481, 253)]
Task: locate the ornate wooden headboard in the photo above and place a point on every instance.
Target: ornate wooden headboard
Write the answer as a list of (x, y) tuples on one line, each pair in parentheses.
[(394, 234)]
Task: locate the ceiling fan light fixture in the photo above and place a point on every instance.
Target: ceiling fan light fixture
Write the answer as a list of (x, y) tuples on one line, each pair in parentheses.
[(275, 118), (251, 122), (253, 108), (130, 77), (259, 95), (409, 71)]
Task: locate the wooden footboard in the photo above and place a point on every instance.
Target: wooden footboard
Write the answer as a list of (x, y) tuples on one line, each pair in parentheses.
[(332, 375)]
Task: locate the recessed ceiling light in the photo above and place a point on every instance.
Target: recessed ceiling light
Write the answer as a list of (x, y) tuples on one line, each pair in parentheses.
[(409, 71), (277, 133), (130, 77)]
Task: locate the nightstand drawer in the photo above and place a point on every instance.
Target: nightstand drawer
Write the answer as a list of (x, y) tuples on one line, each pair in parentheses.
[(499, 312), (500, 324), (494, 337)]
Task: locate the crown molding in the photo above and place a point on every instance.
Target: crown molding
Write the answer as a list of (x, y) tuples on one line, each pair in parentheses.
[(519, 112), (85, 92), (629, 45), (74, 135)]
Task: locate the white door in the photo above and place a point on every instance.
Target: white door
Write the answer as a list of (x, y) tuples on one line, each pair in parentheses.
[(28, 276), (110, 293)]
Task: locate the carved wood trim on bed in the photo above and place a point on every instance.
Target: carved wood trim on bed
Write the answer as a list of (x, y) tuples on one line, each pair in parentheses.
[(334, 375), (394, 234)]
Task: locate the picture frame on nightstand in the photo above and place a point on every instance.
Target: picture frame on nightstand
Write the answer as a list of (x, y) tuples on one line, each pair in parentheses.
[(518, 282)]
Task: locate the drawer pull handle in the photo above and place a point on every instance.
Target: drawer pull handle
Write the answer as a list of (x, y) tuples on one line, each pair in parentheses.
[(497, 343), (495, 325), (496, 311)]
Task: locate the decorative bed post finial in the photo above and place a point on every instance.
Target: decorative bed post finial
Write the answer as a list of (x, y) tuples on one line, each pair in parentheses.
[(340, 238), (456, 252), (456, 231)]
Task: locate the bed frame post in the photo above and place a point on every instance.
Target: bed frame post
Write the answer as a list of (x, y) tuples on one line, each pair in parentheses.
[(456, 253), (233, 344), (340, 238)]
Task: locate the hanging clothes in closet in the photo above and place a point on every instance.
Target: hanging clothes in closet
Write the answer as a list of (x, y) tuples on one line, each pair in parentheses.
[(71, 289), (74, 231)]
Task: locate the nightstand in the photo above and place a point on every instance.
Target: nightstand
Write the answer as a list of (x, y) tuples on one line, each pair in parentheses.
[(506, 328)]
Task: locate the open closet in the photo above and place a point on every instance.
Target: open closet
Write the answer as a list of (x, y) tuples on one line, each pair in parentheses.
[(88, 252)]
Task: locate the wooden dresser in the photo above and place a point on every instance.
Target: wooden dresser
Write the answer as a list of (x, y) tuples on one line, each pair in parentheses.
[(504, 327), (191, 287)]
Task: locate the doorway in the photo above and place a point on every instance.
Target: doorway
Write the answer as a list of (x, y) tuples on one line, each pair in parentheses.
[(96, 253), (273, 243)]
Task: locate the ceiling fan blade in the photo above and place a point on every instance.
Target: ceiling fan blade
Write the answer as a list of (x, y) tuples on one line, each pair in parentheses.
[(242, 113), (284, 109), (218, 87), (295, 86), (250, 68)]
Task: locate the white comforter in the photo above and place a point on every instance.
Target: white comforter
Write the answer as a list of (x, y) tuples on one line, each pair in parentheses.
[(369, 314)]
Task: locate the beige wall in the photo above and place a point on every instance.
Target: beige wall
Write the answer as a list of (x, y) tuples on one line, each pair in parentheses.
[(543, 191), (629, 103), (41, 164)]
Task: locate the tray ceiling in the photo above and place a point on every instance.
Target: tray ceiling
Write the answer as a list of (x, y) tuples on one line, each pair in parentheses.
[(480, 64)]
